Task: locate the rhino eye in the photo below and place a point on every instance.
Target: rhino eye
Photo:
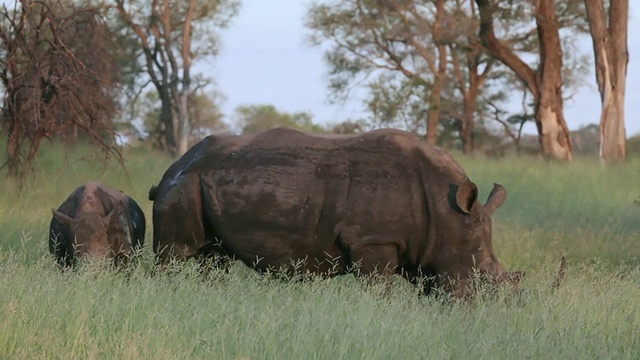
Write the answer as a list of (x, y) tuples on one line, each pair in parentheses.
[(474, 221)]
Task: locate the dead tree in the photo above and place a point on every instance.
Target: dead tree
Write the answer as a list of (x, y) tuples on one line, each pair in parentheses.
[(59, 79)]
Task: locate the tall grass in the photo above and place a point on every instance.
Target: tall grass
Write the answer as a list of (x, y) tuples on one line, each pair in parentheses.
[(582, 211), (57, 173)]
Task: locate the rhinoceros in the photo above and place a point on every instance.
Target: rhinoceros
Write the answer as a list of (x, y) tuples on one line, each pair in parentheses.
[(381, 202), (96, 221)]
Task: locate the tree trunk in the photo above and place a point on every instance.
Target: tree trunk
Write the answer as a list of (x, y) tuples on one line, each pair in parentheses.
[(552, 127), (613, 136), (13, 125), (433, 117), (552, 131), (13, 156), (469, 87), (612, 56), (166, 117), (545, 83), (183, 125), (466, 131)]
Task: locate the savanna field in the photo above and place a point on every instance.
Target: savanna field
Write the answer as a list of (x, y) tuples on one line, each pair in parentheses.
[(587, 213)]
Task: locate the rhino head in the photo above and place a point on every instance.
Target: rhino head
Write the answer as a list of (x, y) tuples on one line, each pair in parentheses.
[(469, 247), (96, 234)]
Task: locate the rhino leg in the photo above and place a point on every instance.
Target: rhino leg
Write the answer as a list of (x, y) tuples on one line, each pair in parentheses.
[(178, 230), (371, 260), (177, 242), (213, 257), (368, 255)]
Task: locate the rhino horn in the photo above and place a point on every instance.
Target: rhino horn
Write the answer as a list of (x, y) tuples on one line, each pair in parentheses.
[(497, 196)]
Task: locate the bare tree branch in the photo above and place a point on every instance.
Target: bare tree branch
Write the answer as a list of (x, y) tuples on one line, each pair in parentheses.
[(58, 75)]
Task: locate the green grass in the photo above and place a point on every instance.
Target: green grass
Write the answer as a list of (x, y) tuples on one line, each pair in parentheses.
[(581, 210)]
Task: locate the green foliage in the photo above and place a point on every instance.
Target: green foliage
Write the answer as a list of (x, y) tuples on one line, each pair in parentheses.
[(397, 103), (205, 117), (208, 18), (348, 127), (389, 50), (385, 48), (633, 146), (257, 118), (580, 210)]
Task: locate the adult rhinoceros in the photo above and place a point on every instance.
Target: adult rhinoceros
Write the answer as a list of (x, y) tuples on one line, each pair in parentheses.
[(97, 221), (283, 199)]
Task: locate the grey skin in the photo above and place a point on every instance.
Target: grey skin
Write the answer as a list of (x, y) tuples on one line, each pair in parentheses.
[(382, 202)]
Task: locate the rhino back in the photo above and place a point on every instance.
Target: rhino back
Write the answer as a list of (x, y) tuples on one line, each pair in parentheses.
[(292, 194)]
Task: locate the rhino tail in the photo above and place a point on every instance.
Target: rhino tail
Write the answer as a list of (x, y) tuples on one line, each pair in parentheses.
[(153, 192)]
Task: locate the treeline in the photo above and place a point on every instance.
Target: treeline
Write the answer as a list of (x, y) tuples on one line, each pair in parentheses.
[(435, 65), (445, 70)]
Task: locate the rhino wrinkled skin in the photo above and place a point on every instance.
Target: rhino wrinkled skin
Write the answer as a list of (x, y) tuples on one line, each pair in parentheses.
[(381, 201)]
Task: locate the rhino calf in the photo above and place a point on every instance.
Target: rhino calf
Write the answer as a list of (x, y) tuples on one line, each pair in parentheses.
[(96, 221)]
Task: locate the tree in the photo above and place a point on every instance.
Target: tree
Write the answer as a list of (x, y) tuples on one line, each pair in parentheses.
[(172, 34), (258, 118), (470, 67), (422, 62), (205, 116), (612, 56), (400, 42), (545, 83), (348, 127), (397, 102), (58, 74), (514, 123)]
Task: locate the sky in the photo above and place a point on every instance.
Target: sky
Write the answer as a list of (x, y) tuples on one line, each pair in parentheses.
[(265, 59)]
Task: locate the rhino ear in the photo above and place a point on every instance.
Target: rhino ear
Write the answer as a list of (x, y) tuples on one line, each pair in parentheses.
[(62, 218), (465, 196), (115, 214), (118, 223), (496, 198), (105, 198)]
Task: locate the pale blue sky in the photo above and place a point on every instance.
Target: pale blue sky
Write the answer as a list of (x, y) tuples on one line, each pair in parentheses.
[(265, 60)]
